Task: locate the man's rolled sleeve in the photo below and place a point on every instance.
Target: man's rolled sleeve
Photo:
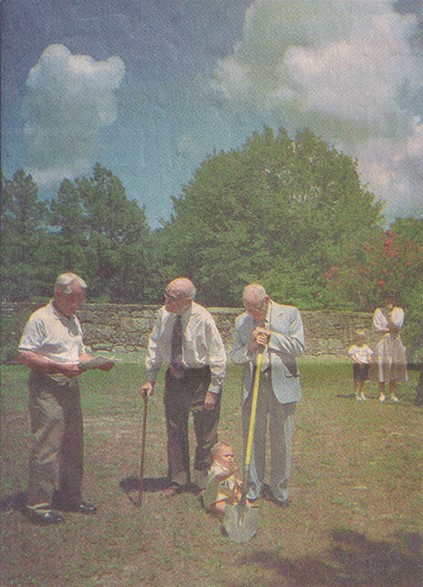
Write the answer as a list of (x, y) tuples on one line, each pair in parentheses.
[(217, 358), (153, 360)]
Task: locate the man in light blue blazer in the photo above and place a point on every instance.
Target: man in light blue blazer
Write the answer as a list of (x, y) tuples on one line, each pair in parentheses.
[(279, 330)]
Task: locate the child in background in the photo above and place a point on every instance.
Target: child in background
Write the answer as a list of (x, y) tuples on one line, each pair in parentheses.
[(222, 485), (361, 354)]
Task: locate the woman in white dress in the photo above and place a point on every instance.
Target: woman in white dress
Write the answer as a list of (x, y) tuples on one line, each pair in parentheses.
[(390, 355)]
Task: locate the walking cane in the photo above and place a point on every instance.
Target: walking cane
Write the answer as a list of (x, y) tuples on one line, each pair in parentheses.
[(143, 431)]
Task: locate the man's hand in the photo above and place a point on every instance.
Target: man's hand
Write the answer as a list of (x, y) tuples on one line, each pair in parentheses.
[(42, 364), (210, 401), (67, 369), (262, 336), (223, 475), (107, 366), (147, 389)]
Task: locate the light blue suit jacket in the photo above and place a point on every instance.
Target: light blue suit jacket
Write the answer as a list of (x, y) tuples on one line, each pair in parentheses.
[(285, 345)]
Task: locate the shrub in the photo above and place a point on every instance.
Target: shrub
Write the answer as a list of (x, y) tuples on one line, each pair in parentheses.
[(11, 328)]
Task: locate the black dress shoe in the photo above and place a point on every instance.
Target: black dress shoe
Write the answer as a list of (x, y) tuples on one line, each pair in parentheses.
[(81, 507), (173, 490), (282, 503), (44, 517)]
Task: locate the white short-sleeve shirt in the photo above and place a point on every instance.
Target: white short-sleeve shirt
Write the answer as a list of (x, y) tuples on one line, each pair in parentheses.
[(380, 321), (361, 353), (50, 334)]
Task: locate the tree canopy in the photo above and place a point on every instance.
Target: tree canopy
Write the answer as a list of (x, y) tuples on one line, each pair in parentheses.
[(277, 210), (23, 229), (290, 213), (91, 228)]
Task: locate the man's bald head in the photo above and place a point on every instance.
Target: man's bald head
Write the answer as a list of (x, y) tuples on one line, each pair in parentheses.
[(179, 295), (255, 300), (181, 286)]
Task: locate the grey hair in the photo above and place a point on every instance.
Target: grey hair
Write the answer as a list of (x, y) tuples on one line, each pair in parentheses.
[(192, 291), (255, 290), (65, 280)]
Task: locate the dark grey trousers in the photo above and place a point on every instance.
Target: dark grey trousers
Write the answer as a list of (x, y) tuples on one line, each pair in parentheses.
[(182, 397), (56, 461)]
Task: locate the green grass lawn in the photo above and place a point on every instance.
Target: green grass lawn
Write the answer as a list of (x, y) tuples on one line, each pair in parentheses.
[(354, 521)]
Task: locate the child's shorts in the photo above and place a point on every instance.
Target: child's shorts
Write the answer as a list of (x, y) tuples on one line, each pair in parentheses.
[(360, 372)]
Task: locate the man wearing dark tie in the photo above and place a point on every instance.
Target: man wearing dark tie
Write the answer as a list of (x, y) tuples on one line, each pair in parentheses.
[(185, 339), (278, 332)]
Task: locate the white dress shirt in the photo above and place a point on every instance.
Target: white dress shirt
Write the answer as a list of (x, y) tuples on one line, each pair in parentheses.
[(202, 344)]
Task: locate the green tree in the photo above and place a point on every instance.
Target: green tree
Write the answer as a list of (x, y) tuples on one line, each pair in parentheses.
[(69, 241), (23, 233), (117, 238), (277, 210), (91, 228), (392, 260)]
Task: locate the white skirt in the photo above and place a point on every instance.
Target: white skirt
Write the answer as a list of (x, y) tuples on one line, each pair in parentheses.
[(391, 360)]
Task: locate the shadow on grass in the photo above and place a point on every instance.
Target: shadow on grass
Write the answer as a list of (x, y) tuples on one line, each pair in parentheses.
[(132, 484), (150, 484), (14, 502), (352, 561), (346, 395), (374, 398)]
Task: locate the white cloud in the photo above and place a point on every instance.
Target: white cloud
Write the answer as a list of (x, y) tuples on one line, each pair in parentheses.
[(69, 98), (394, 167), (344, 69)]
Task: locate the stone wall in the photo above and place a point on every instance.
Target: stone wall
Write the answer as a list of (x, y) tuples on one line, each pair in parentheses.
[(125, 328)]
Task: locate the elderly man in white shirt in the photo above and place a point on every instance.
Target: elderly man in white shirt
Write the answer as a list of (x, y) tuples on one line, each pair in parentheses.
[(52, 347), (186, 339)]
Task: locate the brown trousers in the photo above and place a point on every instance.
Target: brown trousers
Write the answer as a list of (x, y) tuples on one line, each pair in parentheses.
[(56, 461), (181, 397)]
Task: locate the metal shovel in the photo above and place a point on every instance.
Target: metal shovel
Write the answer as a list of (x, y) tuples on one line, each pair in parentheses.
[(240, 520)]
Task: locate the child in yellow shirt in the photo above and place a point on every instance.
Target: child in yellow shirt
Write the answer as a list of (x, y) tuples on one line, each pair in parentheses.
[(222, 485)]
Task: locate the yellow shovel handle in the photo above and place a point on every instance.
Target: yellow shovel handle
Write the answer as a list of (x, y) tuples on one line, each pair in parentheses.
[(253, 409)]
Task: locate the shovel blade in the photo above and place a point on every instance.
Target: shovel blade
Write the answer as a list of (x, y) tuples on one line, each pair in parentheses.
[(241, 521)]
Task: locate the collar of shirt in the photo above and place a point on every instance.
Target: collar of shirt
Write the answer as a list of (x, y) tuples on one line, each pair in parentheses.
[(66, 320), (184, 317), (71, 323), (268, 314)]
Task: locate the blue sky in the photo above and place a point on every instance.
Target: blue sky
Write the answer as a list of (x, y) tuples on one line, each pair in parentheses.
[(149, 88)]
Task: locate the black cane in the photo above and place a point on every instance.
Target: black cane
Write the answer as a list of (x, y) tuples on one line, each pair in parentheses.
[(143, 431)]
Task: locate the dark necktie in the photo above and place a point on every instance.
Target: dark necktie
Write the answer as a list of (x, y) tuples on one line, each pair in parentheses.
[(176, 349)]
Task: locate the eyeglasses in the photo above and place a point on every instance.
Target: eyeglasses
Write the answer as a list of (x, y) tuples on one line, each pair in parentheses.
[(175, 298), (255, 307)]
